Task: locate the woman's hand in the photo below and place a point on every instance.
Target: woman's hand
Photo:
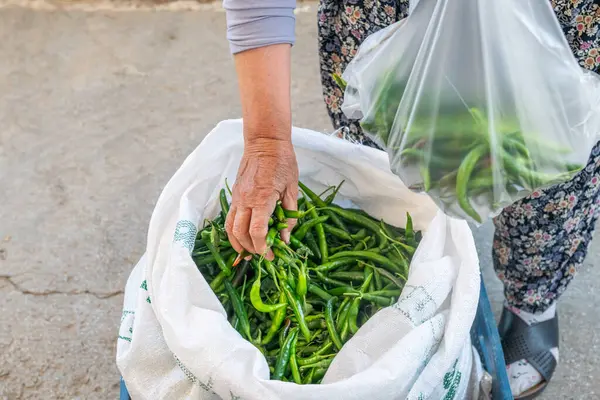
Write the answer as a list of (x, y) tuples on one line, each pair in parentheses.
[(268, 172)]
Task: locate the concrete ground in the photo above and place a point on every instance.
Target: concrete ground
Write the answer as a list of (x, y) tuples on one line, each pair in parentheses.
[(97, 110)]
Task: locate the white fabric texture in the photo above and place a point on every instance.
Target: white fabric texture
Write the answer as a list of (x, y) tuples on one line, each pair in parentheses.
[(175, 341)]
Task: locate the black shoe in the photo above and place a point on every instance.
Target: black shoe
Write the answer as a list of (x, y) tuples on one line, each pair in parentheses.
[(532, 343)]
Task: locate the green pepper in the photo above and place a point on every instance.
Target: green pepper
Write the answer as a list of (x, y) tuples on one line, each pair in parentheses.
[(320, 203), (271, 236), (366, 272), (309, 349), (216, 284), (409, 232), (218, 281), (257, 301), (308, 379), (281, 226), (318, 291), (293, 361), (280, 244), (372, 256), (353, 315), (345, 331), (234, 322), (320, 364), (361, 220), (284, 355), (361, 234), (398, 258), (217, 256), (317, 324), (224, 203), (337, 232), (343, 247), (462, 179), (348, 276), (385, 274), (319, 374), (329, 281), (343, 313), (362, 245), (215, 237), (238, 309), (366, 283), (311, 242), (302, 285), (305, 227), (517, 147), (331, 265), (293, 214), (290, 277), (271, 270), (379, 300), (425, 175), (340, 290), (284, 331), (300, 247), (296, 306), (409, 250), (331, 197), (313, 359), (279, 213), (386, 293), (321, 239), (210, 258), (527, 177), (333, 334)]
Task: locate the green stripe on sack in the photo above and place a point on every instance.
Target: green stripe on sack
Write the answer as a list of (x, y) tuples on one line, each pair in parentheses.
[(185, 233)]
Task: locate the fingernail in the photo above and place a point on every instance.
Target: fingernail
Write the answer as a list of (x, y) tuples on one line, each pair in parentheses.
[(270, 256), (237, 260)]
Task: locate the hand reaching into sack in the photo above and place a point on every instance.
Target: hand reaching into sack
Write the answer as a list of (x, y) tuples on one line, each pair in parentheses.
[(268, 173)]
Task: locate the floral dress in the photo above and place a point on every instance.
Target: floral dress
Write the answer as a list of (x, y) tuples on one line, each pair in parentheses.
[(540, 241)]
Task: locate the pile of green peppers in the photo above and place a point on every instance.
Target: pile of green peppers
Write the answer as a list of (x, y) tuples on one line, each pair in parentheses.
[(340, 267)]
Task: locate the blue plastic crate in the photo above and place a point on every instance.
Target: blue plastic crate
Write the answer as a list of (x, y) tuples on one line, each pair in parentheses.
[(486, 340)]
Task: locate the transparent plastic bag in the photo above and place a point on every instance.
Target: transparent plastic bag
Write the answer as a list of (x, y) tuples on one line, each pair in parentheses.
[(477, 102)]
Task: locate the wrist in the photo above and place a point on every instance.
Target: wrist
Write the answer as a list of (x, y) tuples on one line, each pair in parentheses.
[(275, 133), (266, 146)]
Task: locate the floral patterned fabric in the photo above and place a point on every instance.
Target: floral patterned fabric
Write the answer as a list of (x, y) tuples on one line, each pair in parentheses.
[(540, 241), (343, 25)]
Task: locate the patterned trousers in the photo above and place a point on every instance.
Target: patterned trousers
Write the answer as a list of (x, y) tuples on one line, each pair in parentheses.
[(540, 241)]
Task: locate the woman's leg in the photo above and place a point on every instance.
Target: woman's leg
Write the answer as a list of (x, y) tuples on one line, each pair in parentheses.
[(343, 25), (539, 244), (542, 240)]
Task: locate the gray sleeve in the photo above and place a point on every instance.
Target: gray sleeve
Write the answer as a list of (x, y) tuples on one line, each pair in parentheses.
[(258, 23)]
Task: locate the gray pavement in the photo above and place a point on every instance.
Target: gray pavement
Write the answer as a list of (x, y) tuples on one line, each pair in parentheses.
[(97, 110)]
